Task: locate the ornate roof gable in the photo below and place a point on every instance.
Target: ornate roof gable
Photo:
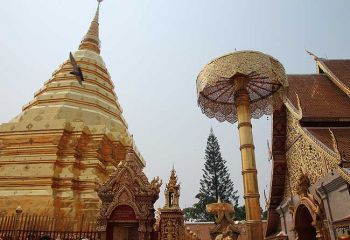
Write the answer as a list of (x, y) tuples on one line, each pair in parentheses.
[(129, 186)]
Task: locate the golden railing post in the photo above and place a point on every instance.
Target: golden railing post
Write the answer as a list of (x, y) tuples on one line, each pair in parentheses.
[(249, 172), (19, 211)]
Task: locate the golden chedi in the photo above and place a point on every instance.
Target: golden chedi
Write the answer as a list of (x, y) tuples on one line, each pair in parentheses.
[(67, 139)]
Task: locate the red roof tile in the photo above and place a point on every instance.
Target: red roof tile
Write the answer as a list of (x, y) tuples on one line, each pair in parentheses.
[(319, 97), (339, 67), (342, 136)]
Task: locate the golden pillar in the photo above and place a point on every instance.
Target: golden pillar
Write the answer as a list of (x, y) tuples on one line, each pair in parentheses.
[(249, 172)]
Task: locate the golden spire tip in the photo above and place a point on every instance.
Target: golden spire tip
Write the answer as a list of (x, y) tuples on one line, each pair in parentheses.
[(91, 40)]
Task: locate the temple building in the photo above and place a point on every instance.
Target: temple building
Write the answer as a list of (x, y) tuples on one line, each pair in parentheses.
[(67, 140), (310, 191)]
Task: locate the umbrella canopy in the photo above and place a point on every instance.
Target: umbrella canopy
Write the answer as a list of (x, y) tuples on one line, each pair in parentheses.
[(219, 207), (216, 84)]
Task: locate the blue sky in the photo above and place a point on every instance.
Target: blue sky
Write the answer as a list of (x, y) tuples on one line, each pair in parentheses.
[(154, 51)]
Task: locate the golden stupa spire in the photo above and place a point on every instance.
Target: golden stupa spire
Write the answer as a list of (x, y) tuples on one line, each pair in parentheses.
[(91, 40)]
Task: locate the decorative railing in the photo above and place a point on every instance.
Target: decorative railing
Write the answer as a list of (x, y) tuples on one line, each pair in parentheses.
[(35, 227)]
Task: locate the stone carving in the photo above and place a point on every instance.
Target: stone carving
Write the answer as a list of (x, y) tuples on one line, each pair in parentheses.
[(169, 230), (156, 184), (171, 225)]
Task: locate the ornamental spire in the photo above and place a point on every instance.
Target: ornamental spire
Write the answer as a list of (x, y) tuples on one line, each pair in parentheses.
[(91, 40), (172, 191)]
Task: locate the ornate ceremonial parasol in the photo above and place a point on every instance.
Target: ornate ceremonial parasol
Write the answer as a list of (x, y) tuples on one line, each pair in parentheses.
[(236, 87), (216, 84)]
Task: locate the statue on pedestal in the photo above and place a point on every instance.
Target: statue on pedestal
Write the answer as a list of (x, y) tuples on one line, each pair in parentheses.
[(224, 226)]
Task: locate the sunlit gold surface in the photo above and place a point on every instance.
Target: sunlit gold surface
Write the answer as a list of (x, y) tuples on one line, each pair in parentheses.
[(249, 172), (217, 208), (66, 141), (215, 84)]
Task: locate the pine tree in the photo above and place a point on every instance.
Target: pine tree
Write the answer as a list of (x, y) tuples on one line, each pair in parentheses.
[(240, 213), (215, 184)]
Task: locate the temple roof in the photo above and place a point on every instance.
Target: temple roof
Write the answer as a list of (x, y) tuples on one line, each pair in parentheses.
[(338, 70), (64, 101), (320, 98), (324, 96), (342, 136), (321, 102)]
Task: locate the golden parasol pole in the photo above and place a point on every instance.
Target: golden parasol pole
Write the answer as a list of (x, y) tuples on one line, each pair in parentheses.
[(238, 86), (249, 172)]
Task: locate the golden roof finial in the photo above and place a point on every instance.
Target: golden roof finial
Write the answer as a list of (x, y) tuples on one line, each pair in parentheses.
[(173, 179), (173, 174), (335, 145), (311, 54), (91, 40)]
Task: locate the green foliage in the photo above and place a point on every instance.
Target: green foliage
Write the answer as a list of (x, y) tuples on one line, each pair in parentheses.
[(240, 213), (198, 211), (215, 183), (264, 215)]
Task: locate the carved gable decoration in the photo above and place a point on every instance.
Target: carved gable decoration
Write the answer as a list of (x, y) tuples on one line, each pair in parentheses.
[(123, 212), (128, 188), (303, 184)]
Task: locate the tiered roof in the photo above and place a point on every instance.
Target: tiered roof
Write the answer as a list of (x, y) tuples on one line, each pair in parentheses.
[(338, 70), (320, 98)]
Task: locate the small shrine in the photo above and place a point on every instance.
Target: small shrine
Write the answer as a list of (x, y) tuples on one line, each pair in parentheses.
[(127, 203), (171, 223)]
